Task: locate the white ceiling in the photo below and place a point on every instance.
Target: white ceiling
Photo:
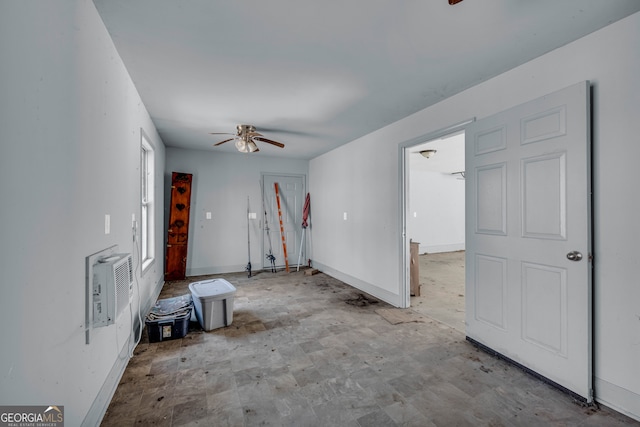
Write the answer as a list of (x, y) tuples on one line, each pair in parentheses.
[(448, 158), (316, 75)]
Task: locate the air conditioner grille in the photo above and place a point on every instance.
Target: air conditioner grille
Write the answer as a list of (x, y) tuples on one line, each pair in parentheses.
[(123, 279)]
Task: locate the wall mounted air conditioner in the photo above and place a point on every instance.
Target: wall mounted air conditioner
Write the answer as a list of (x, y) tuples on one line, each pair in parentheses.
[(112, 288)]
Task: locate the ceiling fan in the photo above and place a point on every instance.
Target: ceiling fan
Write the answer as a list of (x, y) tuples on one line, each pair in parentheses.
[(245, 139)]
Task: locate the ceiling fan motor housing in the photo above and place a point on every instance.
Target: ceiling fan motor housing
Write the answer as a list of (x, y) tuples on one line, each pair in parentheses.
[(245, 129)]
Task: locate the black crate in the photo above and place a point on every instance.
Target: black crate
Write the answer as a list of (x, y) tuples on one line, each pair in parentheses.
[(169, 318), (169, 328)]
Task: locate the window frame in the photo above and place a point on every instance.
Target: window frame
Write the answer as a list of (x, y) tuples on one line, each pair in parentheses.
[(147, 201)]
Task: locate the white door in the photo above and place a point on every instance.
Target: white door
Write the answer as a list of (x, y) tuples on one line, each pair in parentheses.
[(528, 264), (291, 189)]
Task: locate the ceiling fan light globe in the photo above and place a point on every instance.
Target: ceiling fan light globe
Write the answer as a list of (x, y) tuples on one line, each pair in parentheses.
[(251, 146), (241, 145)]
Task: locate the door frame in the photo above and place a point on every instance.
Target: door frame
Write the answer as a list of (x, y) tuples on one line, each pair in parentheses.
[(403, 192)]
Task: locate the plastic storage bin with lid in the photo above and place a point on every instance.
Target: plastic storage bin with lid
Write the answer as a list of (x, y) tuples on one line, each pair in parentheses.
[(169, 318), (213, 301)]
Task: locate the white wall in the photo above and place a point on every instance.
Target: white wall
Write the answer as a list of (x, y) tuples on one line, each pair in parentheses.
[(361, 180), (221, 184), (70, 122), (437, 201), (363, 176)]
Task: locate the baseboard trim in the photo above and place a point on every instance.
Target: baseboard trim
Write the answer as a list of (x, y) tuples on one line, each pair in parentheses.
[(617, 398), (101, 403), (441, 248), (203, 271), (384, 295)]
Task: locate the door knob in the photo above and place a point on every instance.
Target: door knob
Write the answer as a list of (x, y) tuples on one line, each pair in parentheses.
[(574, 256)]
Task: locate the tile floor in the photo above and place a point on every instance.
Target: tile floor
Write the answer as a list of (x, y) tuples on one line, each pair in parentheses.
[(442, 288), (312, 351)]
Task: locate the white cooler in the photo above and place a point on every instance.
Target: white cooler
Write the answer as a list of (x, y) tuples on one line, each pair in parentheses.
[(213, 301)]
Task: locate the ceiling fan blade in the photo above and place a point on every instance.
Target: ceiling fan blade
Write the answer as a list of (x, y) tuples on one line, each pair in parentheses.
[(269, 130), (221, 133), (222, 142), (268, 141), (252, 134)]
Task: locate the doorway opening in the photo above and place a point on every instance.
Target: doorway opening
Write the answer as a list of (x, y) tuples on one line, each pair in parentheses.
[(434, 215)]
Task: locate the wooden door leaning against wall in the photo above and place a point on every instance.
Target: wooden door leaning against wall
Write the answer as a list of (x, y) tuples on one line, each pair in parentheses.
[(178, 233)]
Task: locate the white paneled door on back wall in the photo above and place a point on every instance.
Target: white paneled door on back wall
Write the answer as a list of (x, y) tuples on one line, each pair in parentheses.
[(528, 264), (292, 193)]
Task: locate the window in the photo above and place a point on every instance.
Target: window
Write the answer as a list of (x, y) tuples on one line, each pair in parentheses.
[(146, 201)]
